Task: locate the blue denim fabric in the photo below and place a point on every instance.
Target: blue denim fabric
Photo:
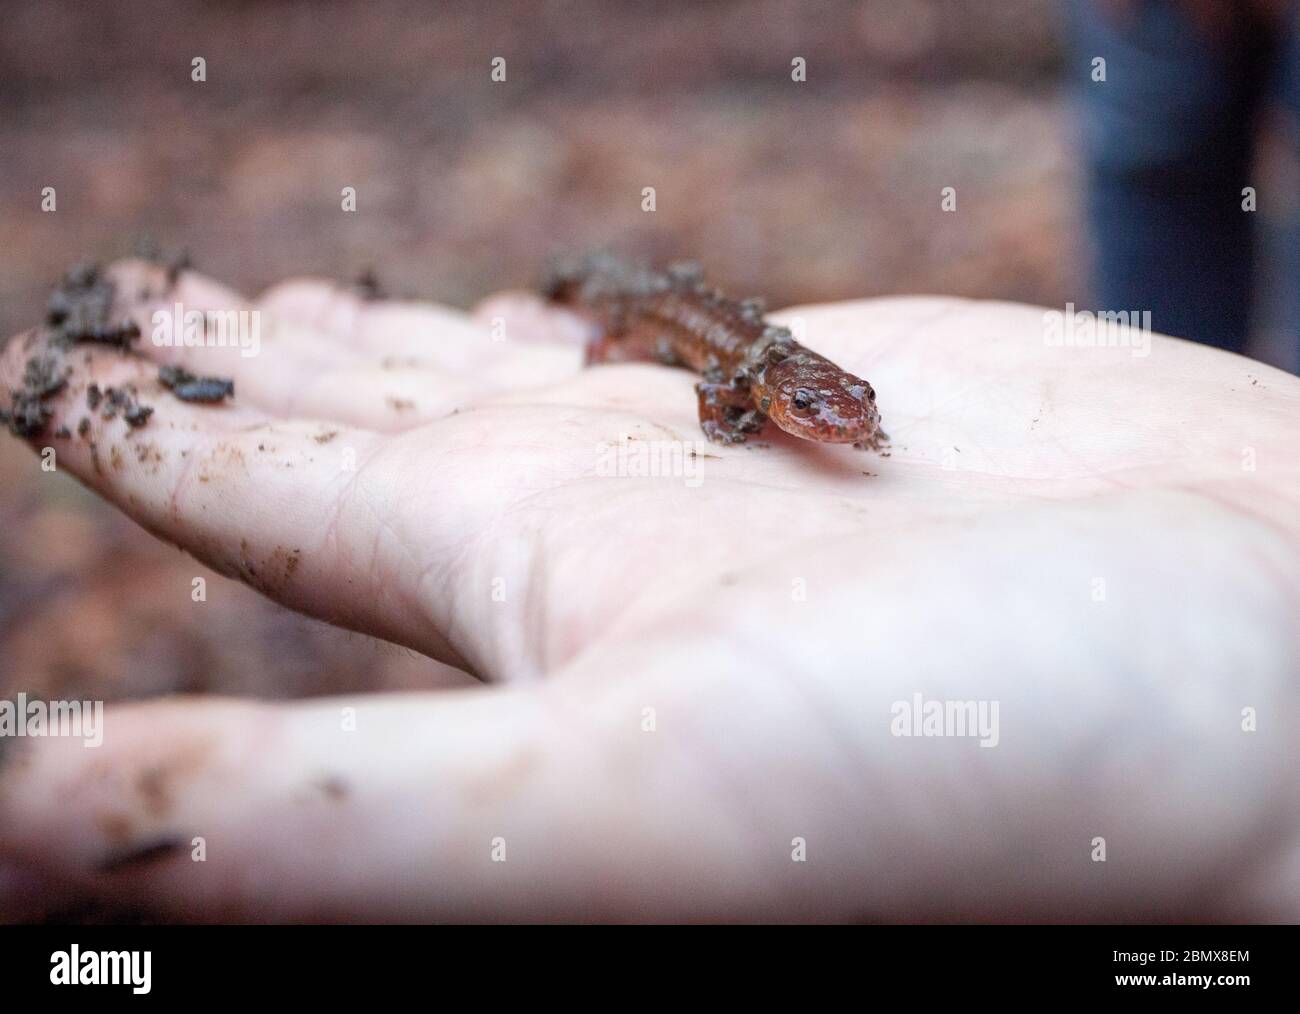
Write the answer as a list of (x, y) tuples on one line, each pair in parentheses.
[(1169, 144)]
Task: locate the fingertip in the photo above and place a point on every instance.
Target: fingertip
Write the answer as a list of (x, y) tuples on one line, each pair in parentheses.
[(13, 354), (142, 284), (524, 316), (300, 298)]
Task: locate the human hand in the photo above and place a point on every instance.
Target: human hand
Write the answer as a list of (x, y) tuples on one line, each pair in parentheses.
[(688, 677)]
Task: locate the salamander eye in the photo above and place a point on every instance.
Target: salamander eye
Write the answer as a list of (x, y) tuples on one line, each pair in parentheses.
[(803, 400)]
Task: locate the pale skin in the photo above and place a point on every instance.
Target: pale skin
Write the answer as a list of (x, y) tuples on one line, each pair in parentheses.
[(681, 683)]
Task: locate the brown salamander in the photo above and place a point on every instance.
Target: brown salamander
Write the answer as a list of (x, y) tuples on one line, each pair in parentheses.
[(752, 371)]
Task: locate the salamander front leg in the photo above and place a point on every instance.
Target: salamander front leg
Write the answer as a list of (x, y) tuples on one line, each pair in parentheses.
[(878, 441), (727, 413)]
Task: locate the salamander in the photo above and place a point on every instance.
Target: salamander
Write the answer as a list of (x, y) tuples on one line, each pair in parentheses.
[(751, 371)]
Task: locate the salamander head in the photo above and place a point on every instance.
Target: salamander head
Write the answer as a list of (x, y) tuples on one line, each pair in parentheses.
[(811, 397)]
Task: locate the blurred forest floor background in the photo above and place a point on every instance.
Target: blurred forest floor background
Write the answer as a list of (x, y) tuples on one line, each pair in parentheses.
[(803, 192)]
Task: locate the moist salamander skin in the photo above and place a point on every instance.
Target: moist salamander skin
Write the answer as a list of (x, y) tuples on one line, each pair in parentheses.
[(751, 370)]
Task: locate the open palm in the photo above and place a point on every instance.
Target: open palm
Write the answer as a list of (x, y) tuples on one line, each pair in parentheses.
[(700, 672)]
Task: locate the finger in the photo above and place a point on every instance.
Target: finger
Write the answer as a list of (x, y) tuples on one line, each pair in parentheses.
[(400, 393), (283, 505), (374, 329), (526, 317), (210, 330), (286, 368), (370, 809), (412, 362), (321, 352), (396, 808)]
